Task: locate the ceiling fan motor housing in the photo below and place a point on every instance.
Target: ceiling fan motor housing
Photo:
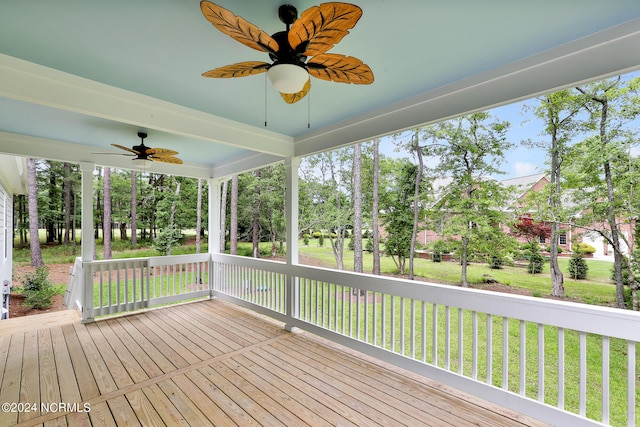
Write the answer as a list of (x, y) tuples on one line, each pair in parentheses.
[(287, 14)]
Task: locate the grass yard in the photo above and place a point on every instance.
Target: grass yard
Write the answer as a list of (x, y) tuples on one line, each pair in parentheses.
[(596, 289)]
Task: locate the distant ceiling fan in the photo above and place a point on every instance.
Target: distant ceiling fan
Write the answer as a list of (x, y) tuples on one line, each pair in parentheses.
[(144, 155), (310, 37)]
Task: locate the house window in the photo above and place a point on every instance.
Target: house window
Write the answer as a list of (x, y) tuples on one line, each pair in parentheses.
[(563, 239), (542, 240)]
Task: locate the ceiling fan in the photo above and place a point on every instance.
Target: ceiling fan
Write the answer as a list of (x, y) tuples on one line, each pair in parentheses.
[(298, 52), (144, 155)]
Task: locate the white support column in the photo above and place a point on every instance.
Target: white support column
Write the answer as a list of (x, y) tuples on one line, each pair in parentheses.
[(88, 240), (291, 207), (291, 166), (214, 215), (214, 231)]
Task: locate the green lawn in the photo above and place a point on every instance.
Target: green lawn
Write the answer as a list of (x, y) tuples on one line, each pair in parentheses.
[(596, 289)]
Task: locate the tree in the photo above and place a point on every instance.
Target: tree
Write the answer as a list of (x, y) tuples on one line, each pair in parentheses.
[(417, 150), (106, 221), (329, 178), (398, 220), (199, 216), (233, 227), (600, 165), (67, 202), (134, 206), (34, 239), (375, 207), (531, 230), (470, 151), (223, 217), (559, 112), (255, 235), (357, 209)]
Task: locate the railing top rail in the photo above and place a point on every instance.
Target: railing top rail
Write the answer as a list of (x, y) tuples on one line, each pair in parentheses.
[(242, 261), (178, 259), (605, 321), (156, 261)]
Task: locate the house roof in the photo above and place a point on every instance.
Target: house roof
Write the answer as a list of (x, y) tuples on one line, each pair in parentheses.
[(521, 185), (80, 75)]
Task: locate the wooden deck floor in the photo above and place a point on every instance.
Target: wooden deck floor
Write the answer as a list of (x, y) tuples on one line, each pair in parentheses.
[(211, 363)]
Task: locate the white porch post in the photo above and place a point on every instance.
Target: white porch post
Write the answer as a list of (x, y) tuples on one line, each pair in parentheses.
[(213, 218), (291, 203), (88, 240), (214, 215)]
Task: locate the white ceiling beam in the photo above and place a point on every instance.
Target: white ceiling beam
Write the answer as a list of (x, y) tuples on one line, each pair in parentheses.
[(600, 55), (34, 83), (42, 148)]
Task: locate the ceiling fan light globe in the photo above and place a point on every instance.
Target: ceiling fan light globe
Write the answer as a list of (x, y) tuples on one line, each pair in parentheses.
[(141, 163), (288, 78)]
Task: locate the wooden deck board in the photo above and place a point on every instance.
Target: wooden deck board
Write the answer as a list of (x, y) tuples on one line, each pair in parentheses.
[(212, 363)]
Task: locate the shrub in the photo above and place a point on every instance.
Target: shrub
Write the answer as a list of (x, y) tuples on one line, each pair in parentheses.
[(316, 234), (585, 248), (496, 262), (305, 239), (37, 289), (436, 256), (320, 239), (441, 246), (35, 281), (369, 245), (167, 238), (536, 261), (508, 260), (578, 266)]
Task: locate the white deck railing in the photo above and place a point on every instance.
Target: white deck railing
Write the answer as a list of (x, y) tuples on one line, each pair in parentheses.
[(565, 363), (118, 286)]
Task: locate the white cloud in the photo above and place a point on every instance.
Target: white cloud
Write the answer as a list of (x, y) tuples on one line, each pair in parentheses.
[(524, 169)]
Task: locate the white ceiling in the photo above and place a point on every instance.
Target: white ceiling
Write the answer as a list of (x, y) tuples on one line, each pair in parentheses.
[(78, 75)]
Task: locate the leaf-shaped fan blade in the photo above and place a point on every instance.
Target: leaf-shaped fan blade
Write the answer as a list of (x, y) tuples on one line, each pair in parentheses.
[(161, 152), (340, 68), (238, 28), (125, 148), (241, 69), (291, 98), (170, 159), (322, 27)]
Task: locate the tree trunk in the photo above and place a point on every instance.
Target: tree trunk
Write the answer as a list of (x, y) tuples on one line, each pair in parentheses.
[(375, 207), (98, 211), (223, 217), (557, 279), (134, 208), (123, 231), (464, 261), (416, 203), (34, 238), (106, 219), (256, 216), (357, 209), (67, 202), (172, 215), (73, 222), (233, 233), (199, 216), (51, 226)]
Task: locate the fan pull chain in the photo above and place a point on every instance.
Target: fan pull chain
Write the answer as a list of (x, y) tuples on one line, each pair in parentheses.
[(265, 100), (309, 110)]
